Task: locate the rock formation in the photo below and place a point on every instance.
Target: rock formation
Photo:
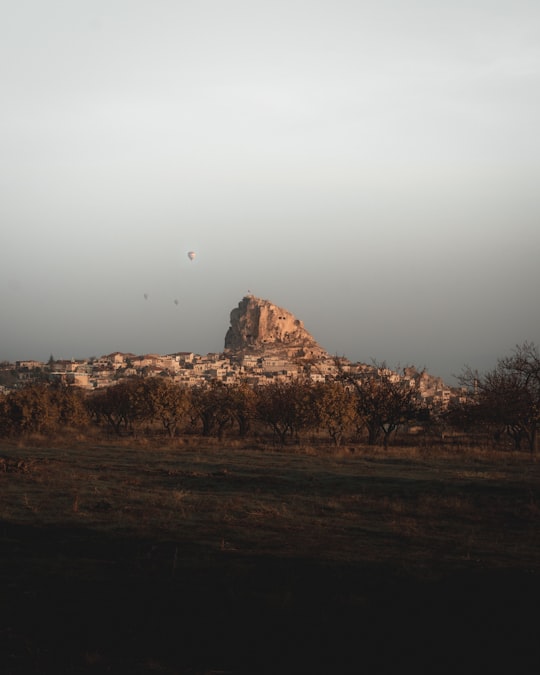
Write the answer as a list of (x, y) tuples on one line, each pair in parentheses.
[(259, 325)]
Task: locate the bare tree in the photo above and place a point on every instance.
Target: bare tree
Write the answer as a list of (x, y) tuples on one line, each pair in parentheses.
[(508, 396)]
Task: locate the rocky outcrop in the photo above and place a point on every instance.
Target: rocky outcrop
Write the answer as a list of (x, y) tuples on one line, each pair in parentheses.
[(257, 324)]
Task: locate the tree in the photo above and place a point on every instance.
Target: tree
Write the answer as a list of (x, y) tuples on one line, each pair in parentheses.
[(243, 402), (509, 395), (384, 399), (214, 406), (29, 410), (335, 409), (120, 406), (287, 407), (70, 403), (166, 402)]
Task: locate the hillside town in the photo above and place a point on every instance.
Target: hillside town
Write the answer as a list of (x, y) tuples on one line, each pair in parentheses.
[(191, 370), (263, 344)]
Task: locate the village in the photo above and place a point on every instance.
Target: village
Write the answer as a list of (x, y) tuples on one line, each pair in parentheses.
[(193, 370)]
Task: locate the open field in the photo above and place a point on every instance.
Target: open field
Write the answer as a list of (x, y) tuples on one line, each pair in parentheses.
[(189, 558)]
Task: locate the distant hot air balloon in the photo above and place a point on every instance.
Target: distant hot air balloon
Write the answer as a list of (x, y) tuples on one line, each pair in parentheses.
[(191, 255)]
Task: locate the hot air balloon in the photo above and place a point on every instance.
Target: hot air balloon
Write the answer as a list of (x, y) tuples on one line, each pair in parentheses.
[(191, 255)]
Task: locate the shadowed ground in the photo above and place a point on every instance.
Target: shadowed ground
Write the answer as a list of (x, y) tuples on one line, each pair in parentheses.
[(302, 565)]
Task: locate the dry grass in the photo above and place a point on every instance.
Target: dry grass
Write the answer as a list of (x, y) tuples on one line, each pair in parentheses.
[(328, 504), (226, 533)]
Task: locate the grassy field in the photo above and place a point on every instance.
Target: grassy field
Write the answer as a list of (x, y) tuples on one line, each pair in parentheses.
[(189, 558)]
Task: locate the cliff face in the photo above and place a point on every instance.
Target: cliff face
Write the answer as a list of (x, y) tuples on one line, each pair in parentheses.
[(258, 323)]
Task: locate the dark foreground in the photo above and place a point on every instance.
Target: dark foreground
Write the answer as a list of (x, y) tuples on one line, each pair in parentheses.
[(249, 615), (115, 561)]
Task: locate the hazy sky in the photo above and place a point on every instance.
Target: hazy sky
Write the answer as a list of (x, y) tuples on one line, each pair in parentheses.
[(371, 166)]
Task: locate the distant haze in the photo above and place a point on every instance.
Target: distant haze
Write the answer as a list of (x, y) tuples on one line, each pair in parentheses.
[(370, 166)]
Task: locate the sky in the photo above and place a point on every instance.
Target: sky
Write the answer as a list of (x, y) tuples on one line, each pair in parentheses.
[(370, 166)]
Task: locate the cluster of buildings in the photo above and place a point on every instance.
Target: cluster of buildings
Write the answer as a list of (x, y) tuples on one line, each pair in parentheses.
[(190, 369), (186, 368)]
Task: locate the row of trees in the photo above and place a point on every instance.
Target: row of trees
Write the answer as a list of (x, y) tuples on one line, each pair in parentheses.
[(42, 408), (376, 407), (285, 409), (504, 402)]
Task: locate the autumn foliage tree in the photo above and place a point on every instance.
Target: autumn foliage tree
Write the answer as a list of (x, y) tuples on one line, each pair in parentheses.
[(287, 408), (384, 399), (42, 408), (165, 402), (243, 401), (214, 406), (117, 406), (336, 410)]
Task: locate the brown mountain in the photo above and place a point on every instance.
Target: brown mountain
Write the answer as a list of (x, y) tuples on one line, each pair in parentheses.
[(258, 325)]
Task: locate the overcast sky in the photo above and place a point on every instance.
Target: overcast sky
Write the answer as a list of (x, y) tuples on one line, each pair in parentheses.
[(371, 166)]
